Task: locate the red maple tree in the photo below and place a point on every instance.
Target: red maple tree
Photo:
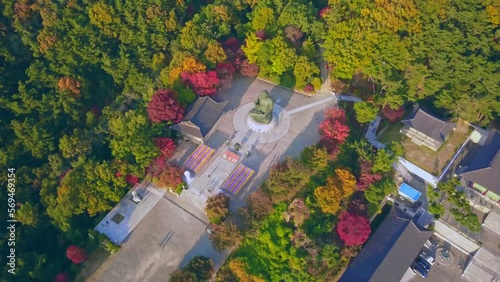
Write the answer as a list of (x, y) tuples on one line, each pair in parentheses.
[(202, 83), (75, 254), (62, 277), (358, 205), (247, 69), (334, 129), (156, 166), (322, 13), (231, 43), (166, 146), (261, 34), (165, 107), (309, 88), (367, 177), (335, 114), (393, 115), (353, 229), (365, 180), (225, 72), (131, 179)]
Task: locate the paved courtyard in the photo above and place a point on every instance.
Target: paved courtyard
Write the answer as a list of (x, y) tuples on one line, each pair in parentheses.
[(174, 230), (297, 128), (167, 237), (440, 272)]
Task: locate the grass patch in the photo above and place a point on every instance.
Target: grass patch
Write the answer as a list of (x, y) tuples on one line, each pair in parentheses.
[(390, 133), (435, 161)]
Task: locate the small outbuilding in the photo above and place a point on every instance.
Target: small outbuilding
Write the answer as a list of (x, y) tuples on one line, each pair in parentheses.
[(425, 129), (201, 118)]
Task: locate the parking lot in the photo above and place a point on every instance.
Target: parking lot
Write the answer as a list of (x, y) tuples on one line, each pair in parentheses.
[(441, 272), (169, 236)]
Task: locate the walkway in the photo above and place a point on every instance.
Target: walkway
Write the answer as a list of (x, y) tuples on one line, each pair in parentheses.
[(445, 232), (370, 133), (348, 98), (312, 105)]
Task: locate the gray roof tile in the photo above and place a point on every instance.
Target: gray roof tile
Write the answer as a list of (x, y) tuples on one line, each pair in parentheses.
[(200, 117), (389, 252), (485, 168), (429, 125)]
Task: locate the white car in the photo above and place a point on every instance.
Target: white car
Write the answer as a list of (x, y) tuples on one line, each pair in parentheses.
[(428, 258)]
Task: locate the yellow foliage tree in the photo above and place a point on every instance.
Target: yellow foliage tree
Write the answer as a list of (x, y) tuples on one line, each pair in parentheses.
[(329, 196), (347, 180), (336, 190), (221, 12), (190, 65), (215, 53)]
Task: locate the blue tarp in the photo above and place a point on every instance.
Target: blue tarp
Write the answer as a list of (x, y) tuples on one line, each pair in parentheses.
[(409, 192)]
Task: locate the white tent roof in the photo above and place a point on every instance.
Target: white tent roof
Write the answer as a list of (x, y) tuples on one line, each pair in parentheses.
[(427, 177)]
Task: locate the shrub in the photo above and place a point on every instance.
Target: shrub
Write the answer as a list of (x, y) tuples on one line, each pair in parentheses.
[(75, 254), (202, 267), (179, 189)]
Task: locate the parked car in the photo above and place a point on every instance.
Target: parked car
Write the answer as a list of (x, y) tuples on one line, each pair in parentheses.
[(415, 267), (428, 258), (423, 263)]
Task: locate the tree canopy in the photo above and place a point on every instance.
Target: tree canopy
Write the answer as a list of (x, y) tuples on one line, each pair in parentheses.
[(88, 90)]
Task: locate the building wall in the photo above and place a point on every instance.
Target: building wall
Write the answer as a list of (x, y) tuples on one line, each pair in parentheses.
[(492, 197)]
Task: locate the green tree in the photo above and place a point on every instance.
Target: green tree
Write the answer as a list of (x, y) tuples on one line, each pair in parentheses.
[(225, 236), (436, 209), (182, 276), (365, 112), (378, 191), (75, 144), (202, 267), (285, 180), (28, 214), (304, 70), (132, 137), (34, 138), (315, 158)]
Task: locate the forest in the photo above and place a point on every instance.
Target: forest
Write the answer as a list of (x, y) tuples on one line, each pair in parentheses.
[(88, 90)]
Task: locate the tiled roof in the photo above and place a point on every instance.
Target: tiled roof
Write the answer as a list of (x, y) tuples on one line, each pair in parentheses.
[(200, 117), (389, 252), (429, 125), (485, 168)]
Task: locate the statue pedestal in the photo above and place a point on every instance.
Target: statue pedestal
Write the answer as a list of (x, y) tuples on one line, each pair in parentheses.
[(261, 127), (268, 132)]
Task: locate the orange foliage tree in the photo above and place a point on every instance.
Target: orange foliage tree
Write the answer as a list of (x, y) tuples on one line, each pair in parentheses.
[(67, 83)]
